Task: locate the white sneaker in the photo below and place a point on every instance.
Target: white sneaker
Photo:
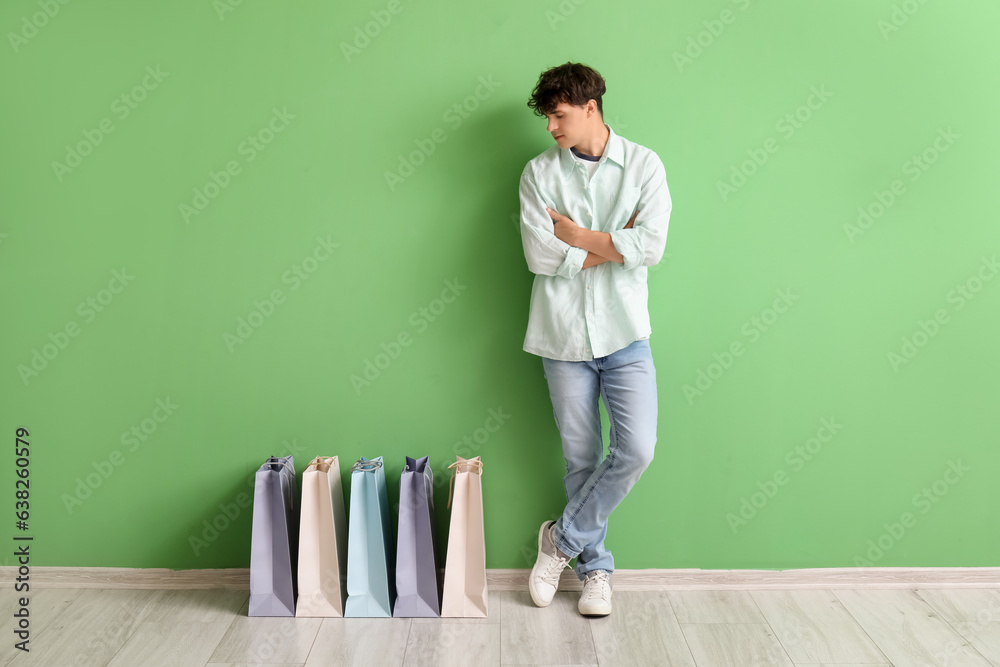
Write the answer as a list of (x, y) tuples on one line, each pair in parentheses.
[(596, 597), (549, 564)]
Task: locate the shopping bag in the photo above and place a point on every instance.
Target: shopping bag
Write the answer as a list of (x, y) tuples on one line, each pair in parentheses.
[(416, 560), (273, 539), (465, 565), (369, 558), (322, 571)]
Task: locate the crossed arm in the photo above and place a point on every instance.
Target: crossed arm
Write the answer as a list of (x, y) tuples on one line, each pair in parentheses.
[(598, 245)]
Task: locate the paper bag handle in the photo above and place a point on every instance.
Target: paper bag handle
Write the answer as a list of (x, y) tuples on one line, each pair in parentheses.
[(366, 466), (321, 463), (278, 460), (470, 464)]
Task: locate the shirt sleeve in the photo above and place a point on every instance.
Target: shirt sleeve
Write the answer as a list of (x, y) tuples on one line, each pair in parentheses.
[(545, 253), (643, 244)]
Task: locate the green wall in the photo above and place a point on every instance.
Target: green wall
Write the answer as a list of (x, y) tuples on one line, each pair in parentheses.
[(228, 164)]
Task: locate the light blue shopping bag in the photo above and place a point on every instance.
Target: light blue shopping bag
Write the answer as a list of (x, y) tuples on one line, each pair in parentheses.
[(370, 575)]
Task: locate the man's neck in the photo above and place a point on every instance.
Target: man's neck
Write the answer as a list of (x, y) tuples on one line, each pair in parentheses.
[(596, 143)]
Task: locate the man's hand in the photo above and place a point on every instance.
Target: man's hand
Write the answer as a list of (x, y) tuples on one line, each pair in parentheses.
[(565, 229), (572, 234)]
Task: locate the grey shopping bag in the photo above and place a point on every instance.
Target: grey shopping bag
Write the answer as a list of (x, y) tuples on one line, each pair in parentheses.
[(416, 560), (369, 556), (273, 539)]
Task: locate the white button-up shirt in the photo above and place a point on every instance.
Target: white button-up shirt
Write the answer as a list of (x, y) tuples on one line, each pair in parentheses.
[(579, 314)]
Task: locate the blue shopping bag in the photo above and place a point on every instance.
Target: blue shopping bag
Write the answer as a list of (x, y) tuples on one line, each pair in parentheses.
[(370, 588)]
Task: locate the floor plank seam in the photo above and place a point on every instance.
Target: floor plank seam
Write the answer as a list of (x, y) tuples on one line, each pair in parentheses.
[(774, 632), (965, 638), (857, 621), (687, 643)]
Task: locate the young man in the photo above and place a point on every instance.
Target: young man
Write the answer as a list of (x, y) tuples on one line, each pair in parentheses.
[(594, 214)]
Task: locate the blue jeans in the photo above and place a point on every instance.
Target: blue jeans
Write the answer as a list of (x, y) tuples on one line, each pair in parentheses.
[(595, 485)]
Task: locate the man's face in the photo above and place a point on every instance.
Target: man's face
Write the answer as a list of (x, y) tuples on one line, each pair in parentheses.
[(567, 124)]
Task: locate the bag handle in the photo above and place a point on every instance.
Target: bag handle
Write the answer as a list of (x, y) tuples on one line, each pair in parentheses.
[(283, 461), (366, 466), (321, 463), (278, 460), (472, 465)]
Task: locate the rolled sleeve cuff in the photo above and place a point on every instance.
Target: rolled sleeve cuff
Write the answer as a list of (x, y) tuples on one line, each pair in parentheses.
[(628, 243), (573, 262)]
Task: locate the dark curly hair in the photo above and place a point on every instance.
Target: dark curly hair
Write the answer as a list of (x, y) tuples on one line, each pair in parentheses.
[(572, 83)]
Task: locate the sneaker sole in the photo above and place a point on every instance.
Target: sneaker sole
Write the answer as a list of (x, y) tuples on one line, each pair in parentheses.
[(594, 613)]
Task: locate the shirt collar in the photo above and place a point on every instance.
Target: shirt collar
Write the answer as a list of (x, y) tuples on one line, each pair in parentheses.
[(613, 151)]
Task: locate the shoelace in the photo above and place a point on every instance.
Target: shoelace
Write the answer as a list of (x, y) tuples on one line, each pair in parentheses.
[(598, 581), (554, 568)]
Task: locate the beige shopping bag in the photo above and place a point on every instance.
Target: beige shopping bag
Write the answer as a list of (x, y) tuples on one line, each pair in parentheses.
[(322, 569), (465, 566)]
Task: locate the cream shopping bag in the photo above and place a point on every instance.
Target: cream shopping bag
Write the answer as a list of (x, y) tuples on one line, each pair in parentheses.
[(322, 570), (465, 566)]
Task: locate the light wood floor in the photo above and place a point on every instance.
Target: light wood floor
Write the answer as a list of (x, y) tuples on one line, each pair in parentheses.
[(953, 627)]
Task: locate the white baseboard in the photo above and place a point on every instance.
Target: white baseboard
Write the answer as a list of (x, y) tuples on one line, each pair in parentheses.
[(517, 580)]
